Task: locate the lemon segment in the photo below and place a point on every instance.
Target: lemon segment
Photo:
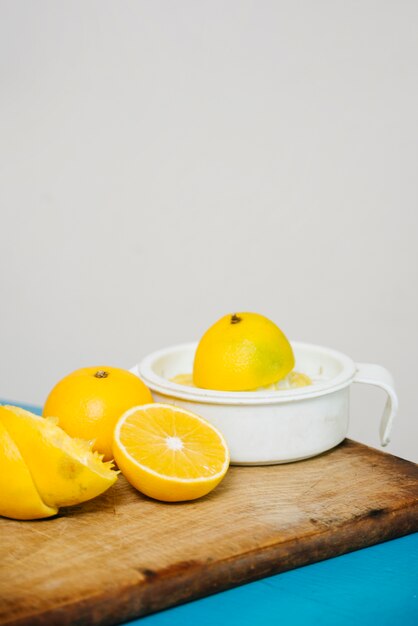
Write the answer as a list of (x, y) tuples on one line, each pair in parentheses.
[(242, 352), (64, 470), (19, 498), (168, 453)]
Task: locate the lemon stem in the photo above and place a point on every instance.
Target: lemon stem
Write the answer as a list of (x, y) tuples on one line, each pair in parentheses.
[(101, 374), (235, 319)]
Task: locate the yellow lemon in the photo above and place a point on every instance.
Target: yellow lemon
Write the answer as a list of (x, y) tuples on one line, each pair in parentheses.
[(183, 379), (89, 401), (19, 498), (241, 352), (64, 470), (168, 453), (294, 380)]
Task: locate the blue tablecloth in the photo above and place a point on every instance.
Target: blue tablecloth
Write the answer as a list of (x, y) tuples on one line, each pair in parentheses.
[(376, 585)]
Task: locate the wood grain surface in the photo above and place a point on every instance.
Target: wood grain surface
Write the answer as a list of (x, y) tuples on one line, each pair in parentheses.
[(123, 555)]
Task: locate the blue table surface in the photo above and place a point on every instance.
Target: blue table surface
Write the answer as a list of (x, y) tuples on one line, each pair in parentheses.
[(374, 585)]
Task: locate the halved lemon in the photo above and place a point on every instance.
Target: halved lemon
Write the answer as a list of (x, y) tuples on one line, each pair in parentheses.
[(242, 352), (169, 453), (65, 471)]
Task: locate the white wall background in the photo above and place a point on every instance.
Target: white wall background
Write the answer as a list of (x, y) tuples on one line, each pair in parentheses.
[(163, 163)]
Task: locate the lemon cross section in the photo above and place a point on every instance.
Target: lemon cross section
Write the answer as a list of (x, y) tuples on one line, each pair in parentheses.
[(19, 498), (169, 453), (64, 470)]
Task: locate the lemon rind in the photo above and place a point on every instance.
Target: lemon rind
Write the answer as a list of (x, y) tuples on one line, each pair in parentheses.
[(80, 449)]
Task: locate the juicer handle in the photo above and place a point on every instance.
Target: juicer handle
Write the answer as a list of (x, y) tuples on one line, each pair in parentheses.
[(377, 375)]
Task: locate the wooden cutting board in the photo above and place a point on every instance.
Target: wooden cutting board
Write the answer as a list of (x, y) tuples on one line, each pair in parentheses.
[(123, 555)]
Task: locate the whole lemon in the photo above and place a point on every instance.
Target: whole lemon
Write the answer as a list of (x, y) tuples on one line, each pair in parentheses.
[(89, 401), (241, 352)]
